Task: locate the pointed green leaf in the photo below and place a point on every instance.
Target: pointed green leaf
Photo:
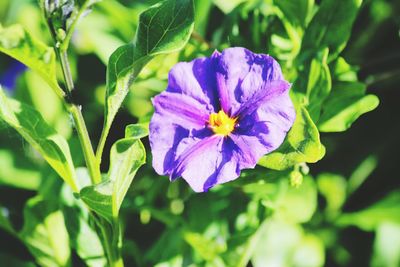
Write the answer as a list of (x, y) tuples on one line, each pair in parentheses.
[(302, 144), (319, 84), (127, 155), (331, 26), (30, 124), (163, 28), (45, 234), (137, 131), (83, 238), (16, 42), (296, 11), (346, 103), (385, 210)]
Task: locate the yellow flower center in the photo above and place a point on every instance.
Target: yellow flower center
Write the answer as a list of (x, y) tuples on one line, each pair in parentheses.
[(221, 123)]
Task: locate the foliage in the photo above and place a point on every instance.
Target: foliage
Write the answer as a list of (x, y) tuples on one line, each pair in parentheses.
[(99, 64)]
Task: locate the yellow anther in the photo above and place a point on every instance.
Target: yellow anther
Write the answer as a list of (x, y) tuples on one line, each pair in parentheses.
[(221, 123)]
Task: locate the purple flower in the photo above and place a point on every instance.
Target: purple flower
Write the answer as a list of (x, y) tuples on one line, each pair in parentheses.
[(219, 115), (9, 78)]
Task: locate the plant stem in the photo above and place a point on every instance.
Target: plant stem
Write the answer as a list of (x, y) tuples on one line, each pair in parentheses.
[(90, 158), (110, 244)]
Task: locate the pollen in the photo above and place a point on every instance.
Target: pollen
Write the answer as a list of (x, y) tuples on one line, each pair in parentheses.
[(221, 124)]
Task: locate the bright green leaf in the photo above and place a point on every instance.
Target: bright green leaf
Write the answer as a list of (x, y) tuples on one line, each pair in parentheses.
[(45, 234), (16, 42), (331, 26), (83, 237), (137, 131), (297, 204), (302, 144), (386, 210), (163, 28), (127, 155), (30, 124), (346, 103), (387, 246), (334, 188)]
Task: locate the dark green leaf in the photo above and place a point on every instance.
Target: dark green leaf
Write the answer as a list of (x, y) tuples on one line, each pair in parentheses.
[(30, 124), (296, 11), (331, 26)]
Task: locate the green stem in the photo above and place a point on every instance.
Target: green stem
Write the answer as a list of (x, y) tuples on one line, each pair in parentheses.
[(110, 243), (90, 158), (102, 142), (71, 29)]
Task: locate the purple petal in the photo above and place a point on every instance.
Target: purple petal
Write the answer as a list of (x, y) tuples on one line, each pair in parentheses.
[(195, 79), (241, 74), (213, 161), (176, 117), (264, 130)]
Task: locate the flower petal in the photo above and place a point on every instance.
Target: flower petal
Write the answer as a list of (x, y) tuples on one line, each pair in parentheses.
[(264, 130), (241, 74), (176, 117), (212, 161), (195, 79)]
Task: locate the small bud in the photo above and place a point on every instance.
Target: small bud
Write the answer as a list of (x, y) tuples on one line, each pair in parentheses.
[(61, 35), (296, 179)]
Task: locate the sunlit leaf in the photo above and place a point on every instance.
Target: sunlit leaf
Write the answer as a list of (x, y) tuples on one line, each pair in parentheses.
[(302, 144), (387, 246), (346, 103), (127, 155), (163, 28), (30, 124), (386, 210), (16, 42), (45, 234)]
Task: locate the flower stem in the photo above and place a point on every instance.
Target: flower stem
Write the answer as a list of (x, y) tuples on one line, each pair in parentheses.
[(90, 158), (110, 243)]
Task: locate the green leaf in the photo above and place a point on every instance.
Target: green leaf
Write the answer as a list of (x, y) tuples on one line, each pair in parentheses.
[(346, 103), (16, 42), (30, 124), (331, 26), (319, 84), (16, 173), (296, 11), (302, 144), (206, 248), (386, 210), (137, 131), (163, 28), (275, 243), (297, 204), (387, 246), (5, 223), (83, 237), (14, 262), (45, 234), (127, 155), (334, 188)]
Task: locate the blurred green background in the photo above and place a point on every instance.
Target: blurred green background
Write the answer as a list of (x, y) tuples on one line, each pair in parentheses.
[(353, 219)]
